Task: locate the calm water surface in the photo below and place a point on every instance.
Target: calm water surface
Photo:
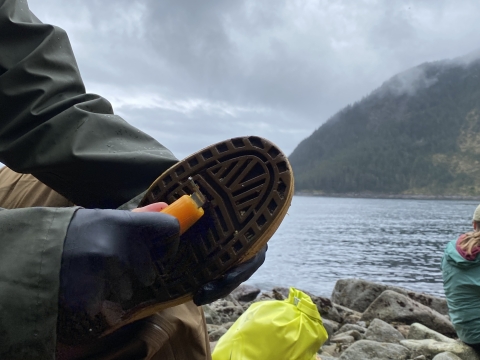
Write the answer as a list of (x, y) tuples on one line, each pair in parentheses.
[(396, 242)]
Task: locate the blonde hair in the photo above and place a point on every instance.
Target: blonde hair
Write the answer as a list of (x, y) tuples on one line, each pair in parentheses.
[(470, 241)]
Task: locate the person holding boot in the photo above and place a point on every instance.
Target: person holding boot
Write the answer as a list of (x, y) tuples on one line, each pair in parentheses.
[(70, 265)]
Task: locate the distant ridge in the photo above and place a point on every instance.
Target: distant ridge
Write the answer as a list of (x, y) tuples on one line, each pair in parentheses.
[(417, 134)]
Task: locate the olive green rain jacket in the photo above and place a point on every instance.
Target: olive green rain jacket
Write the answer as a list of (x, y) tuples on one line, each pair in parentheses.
[(73, 143)]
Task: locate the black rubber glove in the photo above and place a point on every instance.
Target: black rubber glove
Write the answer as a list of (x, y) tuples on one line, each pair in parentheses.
[(220, 288), (109, 258)]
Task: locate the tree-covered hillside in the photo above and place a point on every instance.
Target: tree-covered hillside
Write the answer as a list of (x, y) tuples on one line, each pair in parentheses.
[(419, 133)]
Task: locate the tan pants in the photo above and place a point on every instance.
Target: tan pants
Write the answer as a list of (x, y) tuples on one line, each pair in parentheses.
[(178, 333)]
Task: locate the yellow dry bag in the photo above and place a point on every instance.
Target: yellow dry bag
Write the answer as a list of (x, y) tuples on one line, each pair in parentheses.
[(271, 330)]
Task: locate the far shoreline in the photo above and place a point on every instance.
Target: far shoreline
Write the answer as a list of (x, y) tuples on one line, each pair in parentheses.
[(389, 196)]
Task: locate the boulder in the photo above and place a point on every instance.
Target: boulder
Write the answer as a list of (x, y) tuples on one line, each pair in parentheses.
[(362, 324), (391, 306), (446, 356), (245, 293), (353, 333), (358, 294), (348, 327), (352, 318), (227, 309), (430, 348), (215, 332), (404, 329), (325, 357), (348, 315), (433, 302), (280, 293), (331, 327), (382, 332), (326, 308), (343, 338), (421, 332), (211, 316), (373, 350), (329, 350), (266, 295)]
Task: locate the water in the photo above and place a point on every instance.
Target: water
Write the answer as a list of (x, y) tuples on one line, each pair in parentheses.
[(395, 242)]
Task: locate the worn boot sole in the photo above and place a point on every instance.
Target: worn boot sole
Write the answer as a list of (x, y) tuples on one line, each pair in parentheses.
[(248, 183)]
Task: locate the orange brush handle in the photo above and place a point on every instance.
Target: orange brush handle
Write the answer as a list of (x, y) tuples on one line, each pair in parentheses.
[(186, 211)]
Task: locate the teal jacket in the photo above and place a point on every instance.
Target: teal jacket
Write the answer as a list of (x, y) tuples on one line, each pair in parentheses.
[(71, 141), (461, 282)]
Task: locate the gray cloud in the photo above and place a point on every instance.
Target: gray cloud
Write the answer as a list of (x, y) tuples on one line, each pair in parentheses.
[(194, 72)]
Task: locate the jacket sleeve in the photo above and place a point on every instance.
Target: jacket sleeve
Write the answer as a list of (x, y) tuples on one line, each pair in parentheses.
[(31, 244), (51, 128), (72, 142)]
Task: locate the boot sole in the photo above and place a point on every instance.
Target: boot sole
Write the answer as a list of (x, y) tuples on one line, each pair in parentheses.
[(248, 183)]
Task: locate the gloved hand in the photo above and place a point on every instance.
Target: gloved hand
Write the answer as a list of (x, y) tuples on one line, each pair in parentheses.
[(219, 288), (109, 259)]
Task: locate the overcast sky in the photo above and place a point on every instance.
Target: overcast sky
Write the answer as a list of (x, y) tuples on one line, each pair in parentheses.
[(194, 72)]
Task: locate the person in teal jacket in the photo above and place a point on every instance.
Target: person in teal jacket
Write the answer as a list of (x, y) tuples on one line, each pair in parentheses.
[(461, 282)]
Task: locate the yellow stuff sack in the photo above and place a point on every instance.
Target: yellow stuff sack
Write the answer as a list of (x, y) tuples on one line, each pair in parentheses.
[(271, 330)]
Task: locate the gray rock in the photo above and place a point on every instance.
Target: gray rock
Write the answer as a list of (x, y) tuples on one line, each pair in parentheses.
[(352, 318), (212, 327), (211, 316), (348, 327), (280, 293), (228, 310), (430, 348), (421, 332), (245, 293), (372, 350), (391, 306), (362, 324), (353, 333), (325, 357), (330, 350), (343, 338), (382, 332), (266, 295), (231, 299), (331, 327), (404, 329), (358, 294), (215, 332), (433, 302), (246, 305), (326, 308), (446, 356), (347, 314)]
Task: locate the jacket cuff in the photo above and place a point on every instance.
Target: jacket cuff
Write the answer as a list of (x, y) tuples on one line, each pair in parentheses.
[(30, 257)]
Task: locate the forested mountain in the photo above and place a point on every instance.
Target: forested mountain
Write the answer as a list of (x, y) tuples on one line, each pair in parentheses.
[(418, 133)]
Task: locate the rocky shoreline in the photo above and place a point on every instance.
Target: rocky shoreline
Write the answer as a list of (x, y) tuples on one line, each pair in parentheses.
[(364, 320), (389, 196)]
